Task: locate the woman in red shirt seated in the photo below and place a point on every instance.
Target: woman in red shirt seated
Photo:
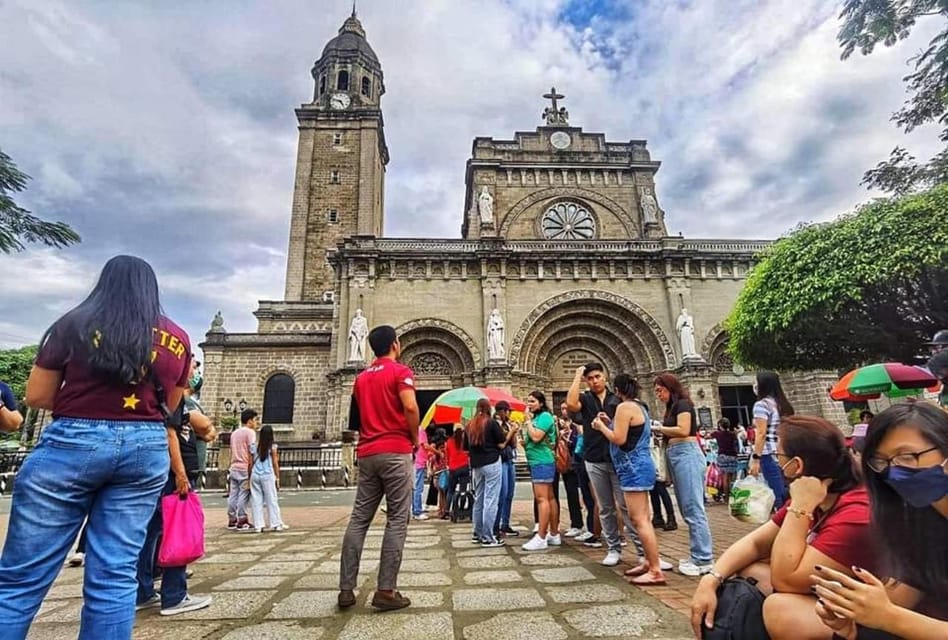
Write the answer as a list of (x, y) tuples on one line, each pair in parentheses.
[(905, 463), (459, 465), (825, 523)]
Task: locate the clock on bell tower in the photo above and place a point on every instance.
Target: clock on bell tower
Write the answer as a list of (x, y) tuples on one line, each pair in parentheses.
[(341, 159)]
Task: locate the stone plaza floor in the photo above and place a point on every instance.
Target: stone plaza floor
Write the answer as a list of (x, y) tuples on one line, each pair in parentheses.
[(284, 585)]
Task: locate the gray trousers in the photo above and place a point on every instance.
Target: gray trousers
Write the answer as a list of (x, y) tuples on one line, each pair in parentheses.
[(389, 475), (238, 497), (605, 485)]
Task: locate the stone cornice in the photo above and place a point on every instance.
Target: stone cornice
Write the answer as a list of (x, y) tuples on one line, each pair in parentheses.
[(279, 309), (237, 341)]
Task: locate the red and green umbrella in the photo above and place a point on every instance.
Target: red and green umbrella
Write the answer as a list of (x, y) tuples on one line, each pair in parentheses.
[(459, 405), (889, 378)]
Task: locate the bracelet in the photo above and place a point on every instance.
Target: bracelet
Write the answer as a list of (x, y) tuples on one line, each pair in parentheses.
[(718, 576), (800, 513)]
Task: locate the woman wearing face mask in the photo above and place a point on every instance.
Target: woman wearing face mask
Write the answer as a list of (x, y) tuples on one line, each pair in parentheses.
[(905, 464), (825, 523)]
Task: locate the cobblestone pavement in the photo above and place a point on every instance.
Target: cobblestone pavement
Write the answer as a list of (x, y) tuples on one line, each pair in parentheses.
[(283, 585)]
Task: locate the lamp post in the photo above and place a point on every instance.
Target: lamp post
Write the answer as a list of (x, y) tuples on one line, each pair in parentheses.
[(232, 408)]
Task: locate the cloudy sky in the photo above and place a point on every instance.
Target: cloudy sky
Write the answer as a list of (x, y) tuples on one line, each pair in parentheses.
[(166, 130)]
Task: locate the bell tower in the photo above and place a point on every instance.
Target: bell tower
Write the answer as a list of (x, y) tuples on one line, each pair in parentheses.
[(340, 164)]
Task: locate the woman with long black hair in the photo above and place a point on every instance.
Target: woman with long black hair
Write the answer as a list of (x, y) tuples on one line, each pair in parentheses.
[(905, 465), (264, 482), (108, 369), (483, 439), (771, 406)]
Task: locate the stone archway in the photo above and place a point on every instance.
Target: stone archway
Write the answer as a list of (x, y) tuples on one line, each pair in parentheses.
[(439, 348), (622, 334), (561, 192)]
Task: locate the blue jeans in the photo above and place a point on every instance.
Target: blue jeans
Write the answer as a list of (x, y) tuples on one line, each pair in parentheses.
[(419, 489), (508, 484), (770, 469), (174, 582), (487, 481), (686, 465), (110, 471)]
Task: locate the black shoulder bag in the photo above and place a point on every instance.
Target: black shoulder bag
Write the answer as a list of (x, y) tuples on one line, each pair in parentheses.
[(740, 612)]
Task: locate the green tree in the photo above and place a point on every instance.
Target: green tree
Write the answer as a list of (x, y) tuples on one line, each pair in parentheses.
[(867, 23), (15, 365), (17, 225), (867, 287)]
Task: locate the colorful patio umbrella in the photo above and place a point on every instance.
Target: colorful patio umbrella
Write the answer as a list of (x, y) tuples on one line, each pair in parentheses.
[(891, 378), (458, 405)]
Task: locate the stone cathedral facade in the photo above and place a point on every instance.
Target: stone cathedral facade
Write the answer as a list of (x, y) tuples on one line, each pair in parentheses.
[(564, 257)]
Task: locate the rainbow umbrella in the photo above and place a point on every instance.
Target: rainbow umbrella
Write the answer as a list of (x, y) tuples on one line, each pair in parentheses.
[(891, 378), (458, 405)]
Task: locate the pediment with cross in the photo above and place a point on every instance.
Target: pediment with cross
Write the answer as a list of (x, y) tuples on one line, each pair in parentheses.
[(555, 115)]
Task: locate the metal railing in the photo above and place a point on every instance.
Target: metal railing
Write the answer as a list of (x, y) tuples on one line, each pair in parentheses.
[(325, 456)]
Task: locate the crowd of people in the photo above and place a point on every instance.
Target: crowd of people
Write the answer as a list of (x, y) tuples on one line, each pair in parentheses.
[(856, 548)]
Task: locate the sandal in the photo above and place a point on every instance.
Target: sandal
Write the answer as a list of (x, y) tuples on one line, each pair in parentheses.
[(649, 580), (637, 570)]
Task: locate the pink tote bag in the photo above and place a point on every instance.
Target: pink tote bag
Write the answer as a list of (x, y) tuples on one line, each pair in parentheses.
[(182, 533)]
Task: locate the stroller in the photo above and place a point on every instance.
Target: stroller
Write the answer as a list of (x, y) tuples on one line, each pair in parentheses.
[(462, 504)]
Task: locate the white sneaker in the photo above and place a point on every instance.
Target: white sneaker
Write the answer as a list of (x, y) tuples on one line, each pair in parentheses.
[(280, 527), (612, 559), (584, 536), (572, 532), (689, 568), (190, 603), (420, 516), (536, 543), (554, 540), (665, 565), (536, 527), (151, 603), (77, 559)]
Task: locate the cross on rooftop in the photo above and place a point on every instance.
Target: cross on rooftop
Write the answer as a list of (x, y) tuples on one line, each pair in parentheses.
[(554, 96)]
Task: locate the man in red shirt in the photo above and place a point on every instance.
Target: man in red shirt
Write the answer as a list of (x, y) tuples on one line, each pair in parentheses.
[(385, 413)]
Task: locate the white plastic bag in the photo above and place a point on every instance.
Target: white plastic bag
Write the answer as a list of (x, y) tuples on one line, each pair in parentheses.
[(751, 500)]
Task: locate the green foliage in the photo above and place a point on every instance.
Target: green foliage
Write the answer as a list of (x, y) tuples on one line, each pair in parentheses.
[(870, 286), (867, 23), (15, 365), (17, 225), (229, 423)]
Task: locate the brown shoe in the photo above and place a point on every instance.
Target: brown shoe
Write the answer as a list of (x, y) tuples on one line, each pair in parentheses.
[(346, 599), (392, 602)]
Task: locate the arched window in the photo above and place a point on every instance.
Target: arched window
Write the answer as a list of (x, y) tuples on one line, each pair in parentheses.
[(342, 81), (366, 87), (322, 84), (278, 398)]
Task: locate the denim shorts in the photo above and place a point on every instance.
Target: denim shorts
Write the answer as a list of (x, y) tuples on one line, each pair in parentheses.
[(635, 469), (542, 473)]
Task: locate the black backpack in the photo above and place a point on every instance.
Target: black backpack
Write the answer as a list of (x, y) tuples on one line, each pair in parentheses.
[(740, 612)]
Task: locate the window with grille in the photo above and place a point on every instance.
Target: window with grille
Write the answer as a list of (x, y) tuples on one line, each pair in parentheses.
[(337, 139), (333, 215), (366, 87), (334, 176), (279, 395)]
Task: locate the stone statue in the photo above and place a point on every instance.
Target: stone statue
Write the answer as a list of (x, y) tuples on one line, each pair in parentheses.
[(495, 336), (686, 333), (358, 331), (217, 324), (649, 205), (485, 206), (555, 115)]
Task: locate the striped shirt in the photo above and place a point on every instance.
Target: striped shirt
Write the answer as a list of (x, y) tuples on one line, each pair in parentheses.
[(768, 411)]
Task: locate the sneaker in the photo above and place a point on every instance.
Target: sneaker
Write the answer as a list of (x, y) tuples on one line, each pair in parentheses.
[(584, 536), (612, 558), (689, 568), (623, 542), (492, 542), (389, 603), (507, 531), (670, 526), (232, 524), (346, 599), (190, 603), (536, 527), (77, 559), (188, 573), (593, 542), (665, 565), (248, 529), (554, 540), (243, 527), (420, 516), (572, 532), (536, 543), (280, 527), (151, 603)]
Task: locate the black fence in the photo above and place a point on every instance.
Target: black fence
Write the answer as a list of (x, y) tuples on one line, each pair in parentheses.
[(326, 456)]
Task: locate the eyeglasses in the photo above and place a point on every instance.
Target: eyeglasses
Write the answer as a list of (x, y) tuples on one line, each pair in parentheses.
[(908, 460)]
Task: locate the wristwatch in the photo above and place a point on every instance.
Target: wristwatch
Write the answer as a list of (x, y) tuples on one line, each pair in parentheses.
[(755, 456)]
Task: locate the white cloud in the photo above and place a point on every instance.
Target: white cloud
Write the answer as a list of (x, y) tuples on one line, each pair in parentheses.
[(167, 130)]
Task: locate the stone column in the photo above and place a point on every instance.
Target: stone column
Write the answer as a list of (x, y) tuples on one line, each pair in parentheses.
[(699, 379)]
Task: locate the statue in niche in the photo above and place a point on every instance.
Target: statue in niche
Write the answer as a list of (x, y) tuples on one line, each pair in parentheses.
[(358, 332), (686, 333), (495, 336), (649, 205), (485, 206)]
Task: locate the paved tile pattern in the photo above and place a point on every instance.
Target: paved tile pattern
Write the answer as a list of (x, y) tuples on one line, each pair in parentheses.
[(283, 585)]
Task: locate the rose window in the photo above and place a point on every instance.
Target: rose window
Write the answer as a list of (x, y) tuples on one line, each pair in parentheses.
[(568, 221)]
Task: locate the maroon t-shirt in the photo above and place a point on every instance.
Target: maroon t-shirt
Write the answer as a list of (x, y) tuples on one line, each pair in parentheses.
[(85, 394)]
